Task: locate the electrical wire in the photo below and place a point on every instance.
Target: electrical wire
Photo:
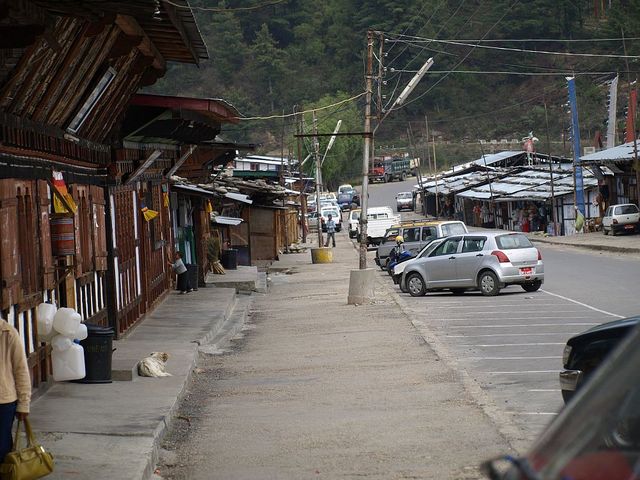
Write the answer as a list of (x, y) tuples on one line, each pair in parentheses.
[(463, 59), (289, 115), (225, 10), (524, 50), (507, 72), (533, 40)]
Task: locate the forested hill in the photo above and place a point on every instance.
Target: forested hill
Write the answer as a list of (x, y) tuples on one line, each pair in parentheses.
[(307, 52)]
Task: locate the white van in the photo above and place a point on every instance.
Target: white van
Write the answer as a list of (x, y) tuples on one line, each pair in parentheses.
[(379, 219)]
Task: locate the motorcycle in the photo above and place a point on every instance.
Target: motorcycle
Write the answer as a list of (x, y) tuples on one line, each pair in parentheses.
[(403, 256)]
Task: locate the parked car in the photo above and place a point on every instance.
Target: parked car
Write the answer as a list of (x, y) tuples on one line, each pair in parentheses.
[(379, 220), (398, 270), (345, 200), (354, 219), (416, 234), (621, 218), (335, 216), (596, 436), (344, 188), (404, 201), (486, 261), (585, 352)]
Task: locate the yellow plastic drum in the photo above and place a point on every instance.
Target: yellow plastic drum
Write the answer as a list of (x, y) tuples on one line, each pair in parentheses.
[(321, 255)]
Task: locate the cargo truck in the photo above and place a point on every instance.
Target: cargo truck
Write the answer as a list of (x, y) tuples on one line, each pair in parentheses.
[(390, 169)]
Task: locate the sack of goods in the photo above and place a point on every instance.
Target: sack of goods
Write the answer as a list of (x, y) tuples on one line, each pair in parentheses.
[(29, 463)]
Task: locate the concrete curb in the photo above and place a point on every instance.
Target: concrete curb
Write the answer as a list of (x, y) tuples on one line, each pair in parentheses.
[(600, 248), (166, 422)]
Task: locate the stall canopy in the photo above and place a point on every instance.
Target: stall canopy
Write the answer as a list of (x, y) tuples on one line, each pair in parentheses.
[(532, 183), (621, 153)]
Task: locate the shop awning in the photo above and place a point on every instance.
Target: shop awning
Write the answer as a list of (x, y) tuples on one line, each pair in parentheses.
[(192, 189), (227, 220), (239, 197)]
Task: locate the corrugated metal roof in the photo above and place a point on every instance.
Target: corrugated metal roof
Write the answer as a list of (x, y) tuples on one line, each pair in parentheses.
[(622, 152), (531, 184)]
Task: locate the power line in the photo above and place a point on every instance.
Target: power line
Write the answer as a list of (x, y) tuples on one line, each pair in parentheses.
[(507, 72), (529, 40), (228, 10), (524, 50), (288, 115)]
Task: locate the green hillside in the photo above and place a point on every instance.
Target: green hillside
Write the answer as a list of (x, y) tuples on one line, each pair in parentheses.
[(306, 53)]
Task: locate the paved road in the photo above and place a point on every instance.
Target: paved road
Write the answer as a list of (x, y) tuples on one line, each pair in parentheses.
[(511, 346)]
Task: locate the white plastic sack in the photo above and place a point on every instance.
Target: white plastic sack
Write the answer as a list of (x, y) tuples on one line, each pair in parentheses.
[(60, 343), (69, 364), (45, 313), (66, 322), (82, 332)]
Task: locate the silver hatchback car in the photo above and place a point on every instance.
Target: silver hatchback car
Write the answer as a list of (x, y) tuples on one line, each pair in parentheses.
[(486, 261)]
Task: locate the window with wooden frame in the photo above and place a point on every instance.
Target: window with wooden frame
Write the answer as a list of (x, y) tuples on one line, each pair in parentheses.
[(92, 100), (28, 248)]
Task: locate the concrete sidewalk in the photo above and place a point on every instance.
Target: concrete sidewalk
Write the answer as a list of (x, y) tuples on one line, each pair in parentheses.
[(321, 389), (111, 431), (628, 243)]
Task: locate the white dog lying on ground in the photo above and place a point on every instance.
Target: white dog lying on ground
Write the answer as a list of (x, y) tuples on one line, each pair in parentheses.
[(154, 365)]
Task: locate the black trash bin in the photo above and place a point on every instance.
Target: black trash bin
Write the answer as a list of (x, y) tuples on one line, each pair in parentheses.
[(98, 349), (230, 259), (193, 274)]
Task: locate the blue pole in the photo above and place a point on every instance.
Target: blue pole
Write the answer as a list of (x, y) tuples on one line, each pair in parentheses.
[(575, 135)]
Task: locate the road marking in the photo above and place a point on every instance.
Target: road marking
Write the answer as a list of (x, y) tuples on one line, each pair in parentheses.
[(583, 304), (555, 357), (555, 390), (576, 324), (506, 313), (511, 335), (513, 344), (519, 372), (534, 413)]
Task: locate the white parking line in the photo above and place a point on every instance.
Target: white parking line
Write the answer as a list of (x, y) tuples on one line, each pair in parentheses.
[(534, 413), (555, 357), (521, 371), (513, 344), (574, 324), (511, 335), (583, 304), (509, 318)]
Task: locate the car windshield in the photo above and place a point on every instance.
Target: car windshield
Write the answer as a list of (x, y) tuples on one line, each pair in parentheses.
[(512, 241), (430, 248), (601, 426), (334, 213), (344, 197), (405, 195), (453, 229), (355, 215), (626, 210)]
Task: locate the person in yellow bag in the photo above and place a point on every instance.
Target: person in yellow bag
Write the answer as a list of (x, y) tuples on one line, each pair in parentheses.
[(15, 384)]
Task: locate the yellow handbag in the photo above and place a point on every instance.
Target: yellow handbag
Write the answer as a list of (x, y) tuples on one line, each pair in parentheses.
[(27, 463)]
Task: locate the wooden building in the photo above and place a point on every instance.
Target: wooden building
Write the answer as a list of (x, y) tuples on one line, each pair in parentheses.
[(67, 72)]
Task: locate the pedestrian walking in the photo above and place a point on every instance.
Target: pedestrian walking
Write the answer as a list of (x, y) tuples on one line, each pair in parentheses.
[(331, 231), (15, 384), (183, 277)]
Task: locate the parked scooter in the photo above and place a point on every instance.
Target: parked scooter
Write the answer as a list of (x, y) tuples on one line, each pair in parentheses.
[(397, 255)]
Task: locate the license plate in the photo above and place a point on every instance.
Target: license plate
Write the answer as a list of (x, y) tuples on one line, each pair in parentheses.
[(526, 271)]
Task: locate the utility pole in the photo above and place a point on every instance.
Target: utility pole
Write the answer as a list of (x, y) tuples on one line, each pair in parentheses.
[(632, 112), (316, 152), (553, 196), (364, 196), (575, 134), (303, 200), (435, 172), (283, 183)]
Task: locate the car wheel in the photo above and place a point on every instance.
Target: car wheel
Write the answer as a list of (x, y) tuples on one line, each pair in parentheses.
[(390, 271), (385, 266), (488, 283), (458, 291), (613, 232), (404, 176), (532, 287), (415, 285), (604, 230)]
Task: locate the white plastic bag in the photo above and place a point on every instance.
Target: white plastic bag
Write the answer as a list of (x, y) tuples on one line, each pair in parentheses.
[(60, 343), (45, 313), (69, 364), (82, 332), (66, 321)]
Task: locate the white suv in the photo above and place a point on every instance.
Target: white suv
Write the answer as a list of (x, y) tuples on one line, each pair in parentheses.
[(621, 218)]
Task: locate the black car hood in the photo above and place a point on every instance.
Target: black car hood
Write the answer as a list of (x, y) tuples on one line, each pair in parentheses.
[(609, 327)]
